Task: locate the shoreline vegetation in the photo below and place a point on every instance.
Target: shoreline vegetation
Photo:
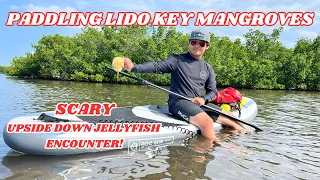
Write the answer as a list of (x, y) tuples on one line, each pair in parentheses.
[(3, 69), (260, 62)]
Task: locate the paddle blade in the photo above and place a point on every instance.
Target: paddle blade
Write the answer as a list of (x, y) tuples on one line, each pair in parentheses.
[(118, 64)]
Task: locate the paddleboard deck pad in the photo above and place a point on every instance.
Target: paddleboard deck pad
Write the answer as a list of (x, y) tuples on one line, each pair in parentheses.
[(171, 129)]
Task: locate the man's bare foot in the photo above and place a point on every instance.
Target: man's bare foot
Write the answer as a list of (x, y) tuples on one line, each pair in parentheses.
[(241, 132), (201, 144)]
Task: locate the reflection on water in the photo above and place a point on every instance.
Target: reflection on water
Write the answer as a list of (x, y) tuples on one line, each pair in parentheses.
[(288, 148), (176, 161)]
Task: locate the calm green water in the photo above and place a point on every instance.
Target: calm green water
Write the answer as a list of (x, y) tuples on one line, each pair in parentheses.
[(288, 148)]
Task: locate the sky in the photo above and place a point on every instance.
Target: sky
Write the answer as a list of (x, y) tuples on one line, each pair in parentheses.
[(17, 40)]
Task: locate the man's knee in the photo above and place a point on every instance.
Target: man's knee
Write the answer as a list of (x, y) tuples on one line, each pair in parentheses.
[(201, 120), (226, 121), (223, 120)]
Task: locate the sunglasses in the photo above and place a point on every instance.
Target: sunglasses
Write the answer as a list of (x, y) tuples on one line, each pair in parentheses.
[(201, 43)]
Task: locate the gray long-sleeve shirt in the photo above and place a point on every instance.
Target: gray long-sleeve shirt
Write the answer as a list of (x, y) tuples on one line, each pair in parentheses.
[(189, 76)]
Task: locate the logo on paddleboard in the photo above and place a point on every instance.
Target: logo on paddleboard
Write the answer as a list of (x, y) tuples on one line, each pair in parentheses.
[(146, 144), (203, 75), (134, 146)]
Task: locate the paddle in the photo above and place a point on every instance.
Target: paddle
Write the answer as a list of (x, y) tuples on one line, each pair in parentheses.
[(170, 92)]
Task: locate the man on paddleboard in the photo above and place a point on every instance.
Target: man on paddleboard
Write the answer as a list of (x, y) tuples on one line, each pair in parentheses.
[(190, 75)]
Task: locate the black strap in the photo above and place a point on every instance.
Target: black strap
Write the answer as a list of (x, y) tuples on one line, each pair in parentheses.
[(46, 118)]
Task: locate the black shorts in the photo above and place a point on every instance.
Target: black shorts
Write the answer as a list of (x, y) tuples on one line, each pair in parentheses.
[(184, 109)]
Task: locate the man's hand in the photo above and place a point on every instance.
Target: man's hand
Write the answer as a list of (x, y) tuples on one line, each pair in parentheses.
[(128, 65), (199, 101)]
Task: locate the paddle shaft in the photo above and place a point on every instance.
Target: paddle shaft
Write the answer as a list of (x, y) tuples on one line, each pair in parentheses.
[(173, 93)]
